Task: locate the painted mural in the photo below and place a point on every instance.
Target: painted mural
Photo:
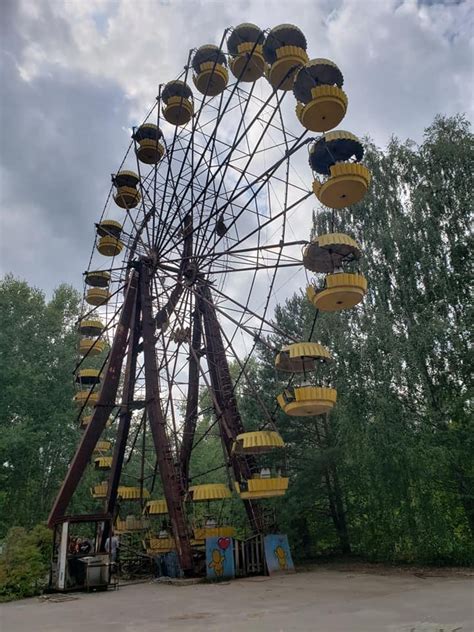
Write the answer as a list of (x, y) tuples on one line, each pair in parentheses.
[(277, 554), (220, 558)]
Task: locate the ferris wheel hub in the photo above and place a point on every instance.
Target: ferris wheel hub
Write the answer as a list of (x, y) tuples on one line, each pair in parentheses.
[(191, 273)]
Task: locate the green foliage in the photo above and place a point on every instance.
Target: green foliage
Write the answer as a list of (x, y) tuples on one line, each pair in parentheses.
[(38, 429), (24, 562), (401, 438)]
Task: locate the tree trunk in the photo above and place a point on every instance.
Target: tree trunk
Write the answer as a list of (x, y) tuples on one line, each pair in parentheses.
[(334, 492)]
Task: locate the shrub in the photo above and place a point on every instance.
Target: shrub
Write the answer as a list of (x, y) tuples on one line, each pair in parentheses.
[(24, 562)]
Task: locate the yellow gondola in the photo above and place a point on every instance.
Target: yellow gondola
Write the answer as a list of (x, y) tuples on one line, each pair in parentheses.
[(178, 108), (127, 195), (98, 278), (88, 377), (97, 296), (91, 327), (149, 150), (255, 488), (103, 463), (86, 397), (85, 421), (209, 491), (285, 51), (321, 102), (180, 334), (327, 252), (342, 290), (303, 401), (91, 347), (127, 198), (347, 185), (201, 533), (131, 524), (157, 546), (102, 446), (156, 507), (100, 490), (245, 45), (257, 442), (132, 493), (302, 357), (126, 178), (109, 243), (210, 72), (109, 246), (347, 182), (109, 228)]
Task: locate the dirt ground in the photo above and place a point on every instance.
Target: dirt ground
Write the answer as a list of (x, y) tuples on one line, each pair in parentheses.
[(318, 599)]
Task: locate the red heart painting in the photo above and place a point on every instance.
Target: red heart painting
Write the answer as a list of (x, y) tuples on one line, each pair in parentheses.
[(223, 543)]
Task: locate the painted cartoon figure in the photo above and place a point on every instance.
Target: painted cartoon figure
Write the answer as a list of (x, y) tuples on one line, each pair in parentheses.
[(217, 563), (281, 557)]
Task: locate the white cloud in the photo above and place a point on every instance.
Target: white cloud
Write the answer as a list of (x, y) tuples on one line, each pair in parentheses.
[(403, 63)]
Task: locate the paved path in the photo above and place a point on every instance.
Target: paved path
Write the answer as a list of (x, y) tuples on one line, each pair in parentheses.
[(316, 601)]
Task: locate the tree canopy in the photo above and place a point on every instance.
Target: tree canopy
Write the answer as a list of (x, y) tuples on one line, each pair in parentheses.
[(37, 418), (394, 460)]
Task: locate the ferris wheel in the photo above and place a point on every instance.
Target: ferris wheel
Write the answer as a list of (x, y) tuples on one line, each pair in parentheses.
[(201, 235)]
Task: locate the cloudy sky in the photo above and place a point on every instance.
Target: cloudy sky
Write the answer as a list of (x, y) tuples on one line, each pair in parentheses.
[(77, 74)]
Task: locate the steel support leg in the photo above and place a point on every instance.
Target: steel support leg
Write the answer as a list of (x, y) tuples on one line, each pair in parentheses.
[(124, 418), (102, 409), (230, 422), (170, 476), (192, 398)]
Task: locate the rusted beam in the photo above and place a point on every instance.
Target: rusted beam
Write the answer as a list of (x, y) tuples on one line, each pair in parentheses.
[(163, 315), (96, 517), (229, 420), (170, 476), (124, 416), (103, 408), (192, 400)]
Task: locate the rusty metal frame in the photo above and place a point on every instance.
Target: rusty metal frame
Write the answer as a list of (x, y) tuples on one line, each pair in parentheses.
[(192, 400), (125, 416), (169, 473), (103, 408), (229, 420)]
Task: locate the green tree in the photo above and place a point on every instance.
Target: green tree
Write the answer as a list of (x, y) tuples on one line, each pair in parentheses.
[(37, 418), (401, 437)]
